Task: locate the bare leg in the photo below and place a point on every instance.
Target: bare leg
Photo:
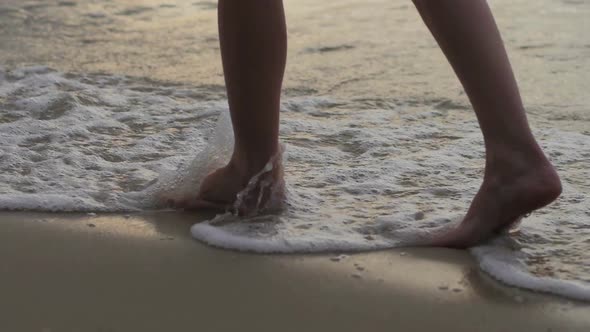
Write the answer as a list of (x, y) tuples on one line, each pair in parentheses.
[(253, 39), (518, 177)]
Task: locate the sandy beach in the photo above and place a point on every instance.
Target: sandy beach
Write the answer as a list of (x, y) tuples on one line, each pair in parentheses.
[(99, 98), (143, 272)]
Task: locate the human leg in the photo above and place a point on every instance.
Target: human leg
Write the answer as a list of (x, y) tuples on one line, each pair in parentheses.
[(518, 177)]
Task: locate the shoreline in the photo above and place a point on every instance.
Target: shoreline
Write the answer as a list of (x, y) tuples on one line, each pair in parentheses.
[(108, 272)]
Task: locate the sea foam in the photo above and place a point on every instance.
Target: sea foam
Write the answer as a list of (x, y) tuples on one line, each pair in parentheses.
[(360, 174)]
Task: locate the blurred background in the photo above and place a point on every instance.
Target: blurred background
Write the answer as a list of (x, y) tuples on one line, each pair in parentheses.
[(374, 48)]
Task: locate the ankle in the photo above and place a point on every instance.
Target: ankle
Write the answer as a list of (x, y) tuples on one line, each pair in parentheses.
[(514, 160), (249, 164), (503, 167)]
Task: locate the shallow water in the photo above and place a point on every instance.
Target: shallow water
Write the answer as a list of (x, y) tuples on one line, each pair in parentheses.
[(381, 144)]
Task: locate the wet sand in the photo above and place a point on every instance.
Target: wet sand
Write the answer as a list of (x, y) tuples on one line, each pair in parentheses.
[(143, 272)]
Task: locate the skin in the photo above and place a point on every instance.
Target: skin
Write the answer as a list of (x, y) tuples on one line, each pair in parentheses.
[(518, 177), (253, 38)]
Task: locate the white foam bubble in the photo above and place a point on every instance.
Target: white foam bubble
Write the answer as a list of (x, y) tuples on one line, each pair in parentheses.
[(504, 265), (358, 177), (179, 183)]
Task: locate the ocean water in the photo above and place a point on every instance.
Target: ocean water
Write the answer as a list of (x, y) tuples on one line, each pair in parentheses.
[(107, 106)]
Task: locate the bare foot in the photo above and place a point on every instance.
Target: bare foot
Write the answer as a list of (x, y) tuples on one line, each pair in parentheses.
[(220, 189), (501, 201)]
